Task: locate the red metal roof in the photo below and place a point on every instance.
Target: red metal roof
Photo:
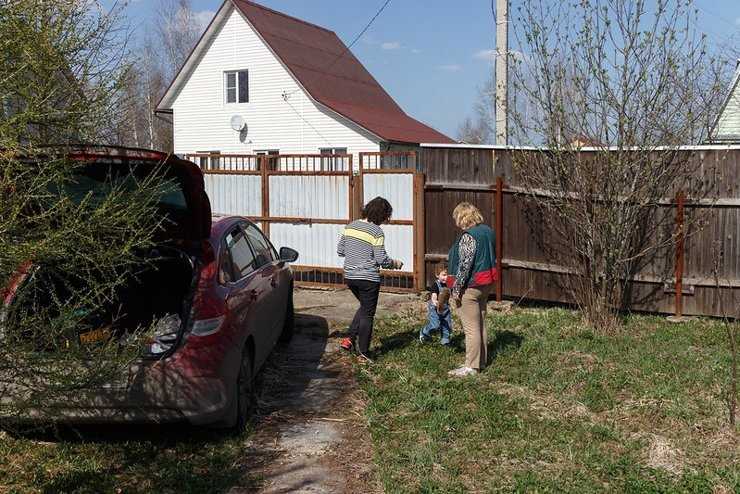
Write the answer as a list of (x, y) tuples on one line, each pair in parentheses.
[(334, 77)]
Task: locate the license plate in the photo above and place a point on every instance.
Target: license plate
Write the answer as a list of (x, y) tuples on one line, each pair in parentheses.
[(95, 336)]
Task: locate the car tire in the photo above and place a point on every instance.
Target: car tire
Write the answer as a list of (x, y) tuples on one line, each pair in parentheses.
[(245, 400), (289, 325)]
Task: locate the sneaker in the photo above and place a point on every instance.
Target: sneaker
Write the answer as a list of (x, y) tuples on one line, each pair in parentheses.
[(346, 344), (462, 372), (423, 338), (444, 342), (363, 357)]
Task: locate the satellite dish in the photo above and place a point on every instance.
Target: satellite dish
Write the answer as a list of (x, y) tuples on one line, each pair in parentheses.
[(237, 122)]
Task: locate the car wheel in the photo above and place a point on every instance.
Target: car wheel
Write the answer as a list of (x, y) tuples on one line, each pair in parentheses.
[(289, 326), (245, 401)]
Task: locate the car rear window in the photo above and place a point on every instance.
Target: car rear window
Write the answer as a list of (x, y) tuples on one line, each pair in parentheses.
[(97, 181)]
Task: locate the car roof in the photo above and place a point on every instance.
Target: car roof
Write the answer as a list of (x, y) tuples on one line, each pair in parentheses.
[(222, 222)]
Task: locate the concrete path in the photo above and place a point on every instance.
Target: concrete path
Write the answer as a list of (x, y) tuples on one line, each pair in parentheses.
[(312, 424)]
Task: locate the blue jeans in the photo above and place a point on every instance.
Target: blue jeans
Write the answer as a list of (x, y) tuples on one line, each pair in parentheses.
[(443, 322)]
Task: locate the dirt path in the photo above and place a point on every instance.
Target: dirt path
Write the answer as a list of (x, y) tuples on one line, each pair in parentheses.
[(311, 431)]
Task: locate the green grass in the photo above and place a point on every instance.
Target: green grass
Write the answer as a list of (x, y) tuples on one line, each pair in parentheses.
[(560, 408), (178, 459)]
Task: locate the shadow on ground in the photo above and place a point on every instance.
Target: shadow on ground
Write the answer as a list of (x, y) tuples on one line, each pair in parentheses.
[(183, 458), (502, 341)]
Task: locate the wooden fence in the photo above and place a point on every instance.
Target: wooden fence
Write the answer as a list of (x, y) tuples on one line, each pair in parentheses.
[(678, 279)]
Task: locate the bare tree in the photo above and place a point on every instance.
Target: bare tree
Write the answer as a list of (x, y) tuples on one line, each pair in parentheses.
[(177, 31), (633, 78), (155, 60), (730, 314), (471, 132)]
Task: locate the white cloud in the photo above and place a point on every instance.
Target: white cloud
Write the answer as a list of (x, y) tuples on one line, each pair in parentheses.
[(490, 55), (737, 21), (415, 51), (391, 45), (485, 55), (203, 18), (453, 67)]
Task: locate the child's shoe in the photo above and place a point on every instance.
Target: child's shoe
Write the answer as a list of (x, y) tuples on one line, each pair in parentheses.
[(423, 337), (346, 344), (444, 342)]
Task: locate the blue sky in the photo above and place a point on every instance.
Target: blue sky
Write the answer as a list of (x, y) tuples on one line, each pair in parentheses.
[(430, 55)]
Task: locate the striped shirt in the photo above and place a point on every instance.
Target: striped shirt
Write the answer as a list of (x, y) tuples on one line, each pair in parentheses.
[(362, 245)]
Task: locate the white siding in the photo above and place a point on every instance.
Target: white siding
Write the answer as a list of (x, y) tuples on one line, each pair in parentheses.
[(728, 125), (201, 117)]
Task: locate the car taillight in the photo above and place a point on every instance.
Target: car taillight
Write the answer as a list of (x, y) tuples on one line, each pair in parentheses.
[(208, 315), (204, 327)]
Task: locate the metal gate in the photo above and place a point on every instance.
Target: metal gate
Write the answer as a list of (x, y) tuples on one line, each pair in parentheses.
[(304, 201)]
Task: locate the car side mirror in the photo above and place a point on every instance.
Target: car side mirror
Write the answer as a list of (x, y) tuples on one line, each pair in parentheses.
[(288, 255)]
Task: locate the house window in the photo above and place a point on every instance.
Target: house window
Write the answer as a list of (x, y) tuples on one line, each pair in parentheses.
[(334, 163), (236, 86), (272, 162), (210, 162), (333, 150)]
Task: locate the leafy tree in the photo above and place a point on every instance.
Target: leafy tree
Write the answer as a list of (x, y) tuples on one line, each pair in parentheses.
[(62, 64)]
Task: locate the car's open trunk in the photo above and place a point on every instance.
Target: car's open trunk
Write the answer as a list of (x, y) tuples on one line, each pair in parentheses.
[(164, 287), (161, 288)]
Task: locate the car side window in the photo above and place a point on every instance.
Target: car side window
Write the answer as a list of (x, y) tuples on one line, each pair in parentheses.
[(240, 259), (262, 248)]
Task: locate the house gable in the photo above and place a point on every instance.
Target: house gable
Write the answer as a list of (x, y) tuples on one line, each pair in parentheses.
[(279, 114), (325, 69), (727, 126)]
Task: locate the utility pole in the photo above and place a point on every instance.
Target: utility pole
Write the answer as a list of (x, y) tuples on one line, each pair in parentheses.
[(502, 72)]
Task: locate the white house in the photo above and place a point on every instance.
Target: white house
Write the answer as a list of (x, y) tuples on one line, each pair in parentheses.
[(259, 81), (727, 126)]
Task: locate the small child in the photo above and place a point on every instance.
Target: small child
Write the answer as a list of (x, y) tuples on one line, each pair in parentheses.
[(438, 310)]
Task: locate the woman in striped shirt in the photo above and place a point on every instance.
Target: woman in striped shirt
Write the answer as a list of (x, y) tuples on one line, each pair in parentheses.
[(362, 245)]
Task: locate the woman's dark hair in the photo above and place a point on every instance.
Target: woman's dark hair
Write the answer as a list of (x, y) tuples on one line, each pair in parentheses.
[(377, 211)]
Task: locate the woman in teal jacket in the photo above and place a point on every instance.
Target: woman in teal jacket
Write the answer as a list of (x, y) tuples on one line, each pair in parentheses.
[(473, 271)]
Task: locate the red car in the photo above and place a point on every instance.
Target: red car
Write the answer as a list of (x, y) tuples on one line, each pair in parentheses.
[(219, 292)]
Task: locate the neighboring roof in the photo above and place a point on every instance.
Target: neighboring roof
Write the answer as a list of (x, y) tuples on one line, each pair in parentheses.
[(727, 126), (330, 73)]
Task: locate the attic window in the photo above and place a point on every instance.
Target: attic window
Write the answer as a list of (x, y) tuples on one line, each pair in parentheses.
[(236, 86)]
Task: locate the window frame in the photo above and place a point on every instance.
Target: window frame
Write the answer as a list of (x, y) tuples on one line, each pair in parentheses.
[(213, 158), (237, 87), (227, 254), (273, 251), (272, 155), (330, 158)]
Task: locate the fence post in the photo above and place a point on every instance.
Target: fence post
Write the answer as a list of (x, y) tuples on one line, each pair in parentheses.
[(351, 189), (361, 193), (679, 252), (419, 233), (265, 195), (500, 238)]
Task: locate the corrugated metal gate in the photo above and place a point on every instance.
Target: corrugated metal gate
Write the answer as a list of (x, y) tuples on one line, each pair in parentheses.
[(304, 201)]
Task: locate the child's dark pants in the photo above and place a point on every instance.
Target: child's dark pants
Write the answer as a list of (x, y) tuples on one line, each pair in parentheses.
[(361, 329)]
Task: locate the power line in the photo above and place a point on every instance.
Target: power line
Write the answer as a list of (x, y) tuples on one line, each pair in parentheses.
[(706, 11), (346, 48), (285, 98)]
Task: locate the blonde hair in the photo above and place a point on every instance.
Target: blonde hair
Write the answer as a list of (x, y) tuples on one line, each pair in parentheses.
[(467, 216)]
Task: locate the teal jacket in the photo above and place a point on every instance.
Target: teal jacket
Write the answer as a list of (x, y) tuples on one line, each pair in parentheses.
[(484, 270)]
